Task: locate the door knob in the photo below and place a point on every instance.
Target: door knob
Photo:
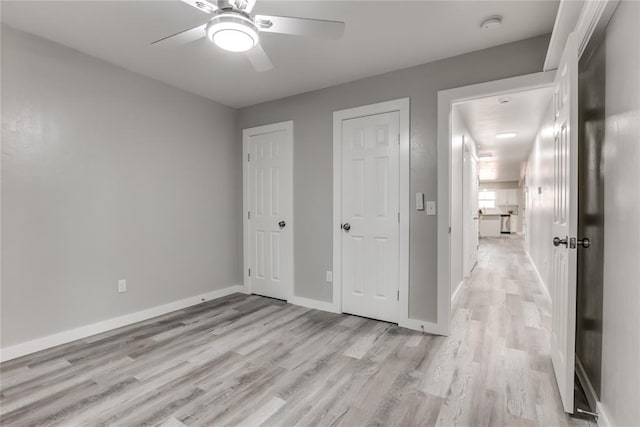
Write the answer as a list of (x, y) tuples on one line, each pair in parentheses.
[(585, 242), (558, 241), (282, 224), (346, 227)]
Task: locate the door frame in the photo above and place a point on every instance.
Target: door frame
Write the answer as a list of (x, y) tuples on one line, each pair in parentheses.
[(286, 126), (446, 99), (402, 106)]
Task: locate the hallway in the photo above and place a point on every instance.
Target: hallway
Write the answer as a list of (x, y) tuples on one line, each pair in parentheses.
[(504, 316)]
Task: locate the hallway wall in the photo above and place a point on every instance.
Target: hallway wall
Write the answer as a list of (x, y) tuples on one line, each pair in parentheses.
[(460, 135), (621, 316), (539, 209)]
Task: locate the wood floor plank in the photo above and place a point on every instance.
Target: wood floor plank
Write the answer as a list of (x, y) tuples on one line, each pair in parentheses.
[(247, 360)]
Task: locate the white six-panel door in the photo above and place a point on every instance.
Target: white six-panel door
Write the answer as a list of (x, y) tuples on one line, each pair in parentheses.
[(370, 215), (269, 210), (565, 223)]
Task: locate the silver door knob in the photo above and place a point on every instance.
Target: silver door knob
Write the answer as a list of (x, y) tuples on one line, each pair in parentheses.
[(282, 224), (346, 226), (558, 241), (585, 242)]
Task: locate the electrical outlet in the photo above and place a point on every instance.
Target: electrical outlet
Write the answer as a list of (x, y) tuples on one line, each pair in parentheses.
[(431, 207), (329, 276), (122, 285)]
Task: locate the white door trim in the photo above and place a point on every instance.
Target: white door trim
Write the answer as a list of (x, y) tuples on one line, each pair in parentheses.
[(587, 19), (246, 134), (445, 100), (402, 106)]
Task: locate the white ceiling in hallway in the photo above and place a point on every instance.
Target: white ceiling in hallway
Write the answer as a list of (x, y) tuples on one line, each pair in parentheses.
[(380, 36), (487, 117)]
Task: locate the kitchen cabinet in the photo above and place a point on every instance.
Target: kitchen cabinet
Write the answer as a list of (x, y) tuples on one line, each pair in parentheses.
[(489, 226), (506, 197), (515, 224)]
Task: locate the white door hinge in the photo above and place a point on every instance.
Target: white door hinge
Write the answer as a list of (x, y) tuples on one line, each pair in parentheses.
[(248, 214), (248, 157), (398, 295), (398, 217), (398, 139), (249, 272)]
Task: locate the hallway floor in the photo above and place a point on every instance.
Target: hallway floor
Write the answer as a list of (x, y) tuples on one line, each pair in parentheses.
[(248, 360)]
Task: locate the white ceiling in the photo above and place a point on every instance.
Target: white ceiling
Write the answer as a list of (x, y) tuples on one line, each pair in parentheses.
[(487, 117), (380, 36)]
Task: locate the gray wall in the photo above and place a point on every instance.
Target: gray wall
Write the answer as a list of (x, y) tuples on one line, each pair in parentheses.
[(621, 314), (107, 175), (312, 116)]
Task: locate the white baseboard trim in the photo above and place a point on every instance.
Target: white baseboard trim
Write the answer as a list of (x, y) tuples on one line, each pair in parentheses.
[(422, 326), (414, 324), (312, 303), (603, 417), (543, 286), (64, 337), (456, 293)]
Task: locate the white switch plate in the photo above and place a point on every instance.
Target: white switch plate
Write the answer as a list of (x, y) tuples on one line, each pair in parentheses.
[(329, 276), (122, 285), (431, 207), (419, 201)]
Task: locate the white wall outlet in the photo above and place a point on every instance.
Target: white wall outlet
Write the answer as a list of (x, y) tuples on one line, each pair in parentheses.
[(329, 276), (431, 207), (122, 285)]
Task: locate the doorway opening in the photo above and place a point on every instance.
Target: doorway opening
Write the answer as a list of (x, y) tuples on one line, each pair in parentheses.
[(492, 139), (450, 159)]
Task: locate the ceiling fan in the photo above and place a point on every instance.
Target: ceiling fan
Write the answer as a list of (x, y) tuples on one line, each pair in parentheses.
[(233, 28)]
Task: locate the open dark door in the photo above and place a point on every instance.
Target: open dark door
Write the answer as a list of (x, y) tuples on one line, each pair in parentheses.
[(591, 119)]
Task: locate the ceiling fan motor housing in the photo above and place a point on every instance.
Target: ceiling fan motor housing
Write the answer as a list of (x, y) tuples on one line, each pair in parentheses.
[(232, 30)]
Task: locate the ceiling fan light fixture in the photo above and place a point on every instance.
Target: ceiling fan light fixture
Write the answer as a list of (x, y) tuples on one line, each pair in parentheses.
[(233, 32)]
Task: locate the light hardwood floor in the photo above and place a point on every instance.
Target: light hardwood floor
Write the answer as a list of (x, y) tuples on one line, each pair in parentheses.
[(247, 360)]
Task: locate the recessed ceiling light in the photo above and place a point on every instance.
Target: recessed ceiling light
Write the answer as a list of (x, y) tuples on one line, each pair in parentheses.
[(504, 99), (506, 135), (485, 156), (491, 22)]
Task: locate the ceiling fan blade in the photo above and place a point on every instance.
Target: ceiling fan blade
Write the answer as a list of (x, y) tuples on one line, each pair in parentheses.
[(318, 28), (186, 36), (259, 59), (202, 5)]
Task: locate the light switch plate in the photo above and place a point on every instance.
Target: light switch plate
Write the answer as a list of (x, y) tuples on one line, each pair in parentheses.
[(431, 207), (122, 285), (329, 276), (419, 201)]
